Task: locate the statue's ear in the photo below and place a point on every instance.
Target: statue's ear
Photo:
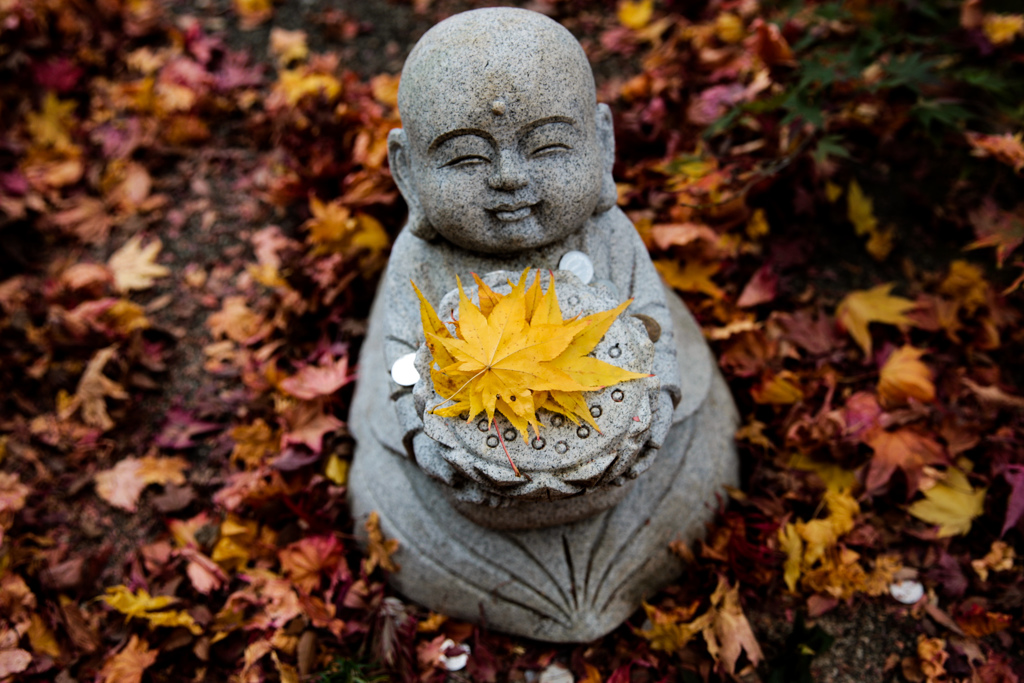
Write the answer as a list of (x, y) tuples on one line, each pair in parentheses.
[(606, 141), (401, 170)]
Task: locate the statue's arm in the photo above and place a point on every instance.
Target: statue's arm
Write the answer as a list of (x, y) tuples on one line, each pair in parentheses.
[(403, 332), (648, 294), (403, 335)]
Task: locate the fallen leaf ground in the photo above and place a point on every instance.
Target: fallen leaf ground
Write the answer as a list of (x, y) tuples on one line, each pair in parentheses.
[(195, 208)]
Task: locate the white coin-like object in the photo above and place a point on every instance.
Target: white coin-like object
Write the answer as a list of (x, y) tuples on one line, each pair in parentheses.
[(579, 264), (404, 371), (907, 592), (456, 663)]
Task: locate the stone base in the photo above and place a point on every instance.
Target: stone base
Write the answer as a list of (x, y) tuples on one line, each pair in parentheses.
[(566, 583)]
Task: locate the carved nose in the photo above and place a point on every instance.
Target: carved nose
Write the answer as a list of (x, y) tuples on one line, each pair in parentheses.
[(509, 173)]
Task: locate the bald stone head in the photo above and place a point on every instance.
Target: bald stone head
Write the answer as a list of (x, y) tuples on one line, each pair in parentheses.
[(504, 147)]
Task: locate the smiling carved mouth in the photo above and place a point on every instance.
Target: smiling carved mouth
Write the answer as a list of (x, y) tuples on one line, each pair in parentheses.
[(510, 213)]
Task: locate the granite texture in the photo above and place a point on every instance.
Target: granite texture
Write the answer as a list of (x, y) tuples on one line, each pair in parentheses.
[(505, 162)]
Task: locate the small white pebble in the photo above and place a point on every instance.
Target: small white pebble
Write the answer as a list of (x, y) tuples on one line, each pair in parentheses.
[(404, 371), (907, 592), (556, 673), (456, 663), (579, 264)]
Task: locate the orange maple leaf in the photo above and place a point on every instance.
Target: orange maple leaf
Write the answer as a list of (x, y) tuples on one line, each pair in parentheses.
[(128, 665), (860, 308), (905, 448)]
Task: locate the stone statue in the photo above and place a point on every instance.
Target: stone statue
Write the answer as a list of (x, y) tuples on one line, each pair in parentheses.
[(505, 160)]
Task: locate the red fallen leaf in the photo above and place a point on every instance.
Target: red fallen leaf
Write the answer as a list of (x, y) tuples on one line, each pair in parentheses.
[(813, 333), (713, 103), (60, 74), (994, 227), (761, 289), (905, 448), (861, 415), (1014, 476), (313, 381), (180, 429), (307, 560), (977, 622), (308, 424), (998, 669)]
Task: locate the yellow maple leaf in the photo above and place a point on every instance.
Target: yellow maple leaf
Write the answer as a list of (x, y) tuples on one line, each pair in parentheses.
[(1002, 28), (904, 376), (635, 14), (334, 226), (514, 354), (729, 28), (695, 276), (51, 127), (860, 308), (128, 665), (672, 629), (336, 470), (792, 544), (952, 503), (860, 211), (820, 535), (134, 266), (141, 605), (782, 388), (252, 13), (254, 443), (41, 637), (295, 84), (966, 285), (233, 547)]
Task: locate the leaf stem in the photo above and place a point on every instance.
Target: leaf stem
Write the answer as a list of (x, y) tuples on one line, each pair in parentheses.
[(515, 469)]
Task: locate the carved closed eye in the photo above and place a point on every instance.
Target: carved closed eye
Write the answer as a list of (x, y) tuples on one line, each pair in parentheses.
[(551, 149), (467, 160)]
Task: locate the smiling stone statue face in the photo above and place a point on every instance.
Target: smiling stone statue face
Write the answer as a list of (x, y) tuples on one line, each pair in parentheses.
[(504, 147)]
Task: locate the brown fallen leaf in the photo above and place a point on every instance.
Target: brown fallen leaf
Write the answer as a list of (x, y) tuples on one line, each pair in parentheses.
[(380, 550), (93, 389), (122, 485), (729, 634)]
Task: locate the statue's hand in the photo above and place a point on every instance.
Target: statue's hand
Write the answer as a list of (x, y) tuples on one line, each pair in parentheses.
[(428, 455)]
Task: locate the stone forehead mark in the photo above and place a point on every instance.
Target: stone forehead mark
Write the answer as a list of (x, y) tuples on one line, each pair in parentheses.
[(498, 107)]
